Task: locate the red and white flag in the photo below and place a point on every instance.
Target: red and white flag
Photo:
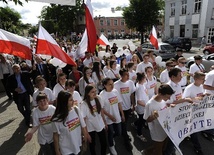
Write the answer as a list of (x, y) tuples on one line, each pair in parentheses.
[(153, 38), (103, 40), (46, 45), (90, 38), (13, 44), (35, 38)]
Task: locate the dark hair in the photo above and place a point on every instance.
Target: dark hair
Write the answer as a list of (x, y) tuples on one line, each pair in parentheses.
[(197, 75), (60, 75), (122, 71), (121, 61), (165, 89), (105, 81), (41, 96), (96, 69), (169, 62), (62, 110), (148, 67), (145, 55), (112, 62), (70, 83), (197, 57), (174, 72), (140, 77), (84, 74), (86, 98), (130, 64), (107, 49)]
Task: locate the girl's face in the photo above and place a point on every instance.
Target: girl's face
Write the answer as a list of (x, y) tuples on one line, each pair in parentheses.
[(88, 72), (62, 80), (92, 94), (149, 72), (114, 65), (109, 86), (43, 104), (70, 102), (124, 61), (42, 85), (70, 88)]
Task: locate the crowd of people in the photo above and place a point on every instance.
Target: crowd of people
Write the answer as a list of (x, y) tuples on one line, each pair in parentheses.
[(74, 104)]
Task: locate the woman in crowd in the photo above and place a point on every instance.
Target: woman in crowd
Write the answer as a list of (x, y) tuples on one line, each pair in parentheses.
[(107, 67), (68, 124), (70, 87), (113, 73), (85, 80), (132, 73), (135, 60), (113, 111), (108, 49), (98, 75), (92, 112), (151, 82), (122, 63), (141, 98)]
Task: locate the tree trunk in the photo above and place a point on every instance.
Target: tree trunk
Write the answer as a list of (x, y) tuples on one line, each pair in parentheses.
[(142, 38)]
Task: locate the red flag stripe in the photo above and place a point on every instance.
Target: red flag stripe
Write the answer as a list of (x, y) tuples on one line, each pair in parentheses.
[(47, 48), (154, 41), (101, 42)]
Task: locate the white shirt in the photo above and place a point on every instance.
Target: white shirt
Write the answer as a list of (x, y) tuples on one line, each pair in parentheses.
[(93, 122), (150, 86), (209, 80), (195, 68), (57, 88), (177, 92), (111, 73), (164, 76), (141, 95), (77, 98), (156, 131), (125, 89), (132, 74), (97, 81), (184, 73), (43, 120), (86, 61), (47, 91), (141, 67), (192, 91), (105, 70), (111, 100), (70, 138)]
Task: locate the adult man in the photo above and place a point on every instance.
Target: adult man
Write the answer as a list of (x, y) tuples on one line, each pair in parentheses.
[(5, 72), (164, 76), (126, 89), (145, 63), (21, 86)]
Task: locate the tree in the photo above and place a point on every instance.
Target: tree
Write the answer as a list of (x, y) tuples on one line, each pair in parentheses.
[(15, 1), (61, 19), (141, 15)]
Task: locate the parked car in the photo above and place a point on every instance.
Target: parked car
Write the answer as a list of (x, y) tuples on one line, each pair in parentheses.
[(208, 49), (207, 61), (166, 51), (180, 42)]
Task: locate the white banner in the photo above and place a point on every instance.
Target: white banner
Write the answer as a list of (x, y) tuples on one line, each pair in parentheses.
[(185, 119), (61, 2)]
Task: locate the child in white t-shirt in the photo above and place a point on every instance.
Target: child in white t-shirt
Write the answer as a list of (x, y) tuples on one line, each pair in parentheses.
[(42, 122)]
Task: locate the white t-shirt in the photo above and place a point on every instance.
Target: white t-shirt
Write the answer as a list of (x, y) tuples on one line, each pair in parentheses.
[(96, 80), (150, 86), (209, 80), (141, 95), (193, 91), (177, 92), (110, 101), (125, 89), (111, 73), (70, 138), (43, 120), (195, 68), (77, 98), (93, 122), (132, 74), (105, 70), (184, 74), (156, 131), (164, 76), (141, 67), (47, 91), (57, 88), (86, 61)]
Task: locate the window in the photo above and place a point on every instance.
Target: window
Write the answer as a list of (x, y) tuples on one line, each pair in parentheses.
[(195, 31), (210, 34), (171, 31), (122, 31), (212, 17), (102, 31), (122, 22), (115, 32), (182, 30), (101, 22), (109, 32), (183, 7), (172, 9), (108, 21), (197, 6), (115, 22)]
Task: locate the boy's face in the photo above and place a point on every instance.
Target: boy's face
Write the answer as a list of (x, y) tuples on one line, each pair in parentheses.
[(42, 104), (42, 85), (166, 97), (200, 80)]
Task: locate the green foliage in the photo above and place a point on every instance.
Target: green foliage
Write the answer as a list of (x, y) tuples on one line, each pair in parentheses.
[(15, 1), (61, 19)]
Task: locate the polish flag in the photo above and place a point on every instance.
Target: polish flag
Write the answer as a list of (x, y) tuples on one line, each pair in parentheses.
[(153, 38), (46, 45), (15, 45), (34, 37), (103, 40)]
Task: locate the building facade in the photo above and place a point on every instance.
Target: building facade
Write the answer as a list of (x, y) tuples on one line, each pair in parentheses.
[(189, 18)]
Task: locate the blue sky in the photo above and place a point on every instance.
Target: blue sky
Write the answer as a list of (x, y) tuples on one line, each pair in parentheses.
[(31, 10)]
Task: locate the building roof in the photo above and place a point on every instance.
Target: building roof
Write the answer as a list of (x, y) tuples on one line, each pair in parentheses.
[(107, 13)]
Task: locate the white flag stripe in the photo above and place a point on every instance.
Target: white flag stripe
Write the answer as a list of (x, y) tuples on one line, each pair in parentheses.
[(104, 39), (82, 47), (62, 2), (7, 36), (89, 6), (154, 32)]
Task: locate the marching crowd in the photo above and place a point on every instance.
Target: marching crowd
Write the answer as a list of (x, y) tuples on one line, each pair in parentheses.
[(74, 104)]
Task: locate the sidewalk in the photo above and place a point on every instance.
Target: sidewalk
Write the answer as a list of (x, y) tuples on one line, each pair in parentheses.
[(12, 131)]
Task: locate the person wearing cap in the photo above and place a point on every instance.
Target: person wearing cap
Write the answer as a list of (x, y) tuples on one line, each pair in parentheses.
[(196, 67), (179, 53)]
